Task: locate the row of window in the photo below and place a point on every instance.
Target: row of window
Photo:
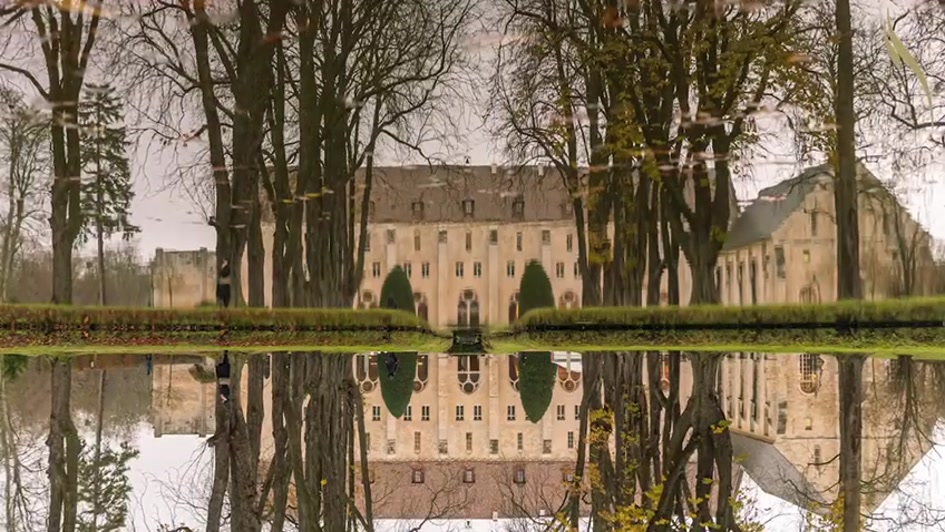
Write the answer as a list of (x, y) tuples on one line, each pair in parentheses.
[(469, 476), (493, 444), (477, 413), (493, 239), (460, 269)]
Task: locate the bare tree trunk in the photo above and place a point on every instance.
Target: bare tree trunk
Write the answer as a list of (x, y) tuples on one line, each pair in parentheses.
[(99, 427)]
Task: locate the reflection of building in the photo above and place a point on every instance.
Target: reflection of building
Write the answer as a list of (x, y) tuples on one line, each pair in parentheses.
[(466, 426), (182, 402)]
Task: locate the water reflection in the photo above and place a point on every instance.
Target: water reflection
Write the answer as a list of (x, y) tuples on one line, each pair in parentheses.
[(502, 442)]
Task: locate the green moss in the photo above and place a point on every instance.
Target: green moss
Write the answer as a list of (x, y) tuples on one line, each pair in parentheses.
[(535, 289), (398, 390), (537, 374), (396, 293)]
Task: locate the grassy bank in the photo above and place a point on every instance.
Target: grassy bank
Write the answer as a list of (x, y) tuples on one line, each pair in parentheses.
[(47, 329), (903, 326)]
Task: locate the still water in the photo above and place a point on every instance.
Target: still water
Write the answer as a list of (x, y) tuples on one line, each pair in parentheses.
[(472, 442)]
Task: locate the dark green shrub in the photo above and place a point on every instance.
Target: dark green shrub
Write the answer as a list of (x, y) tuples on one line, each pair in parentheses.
[(397, 391), (397, 292), (535, 289), (536, 385)]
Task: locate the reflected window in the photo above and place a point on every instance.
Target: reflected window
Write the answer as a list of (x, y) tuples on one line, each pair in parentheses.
[(468, 373), (809, 372), (513, 371), (473, 313), (365, 371), (568, 377), (423, 373)]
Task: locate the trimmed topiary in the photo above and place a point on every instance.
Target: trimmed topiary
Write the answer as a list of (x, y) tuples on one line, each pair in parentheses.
[(396, 293), (398, 389), (535, 289), (536, 374)]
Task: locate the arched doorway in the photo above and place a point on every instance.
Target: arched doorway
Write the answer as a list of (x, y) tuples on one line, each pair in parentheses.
[(423, 309), (513, 308), (367, 300), (568, 300)]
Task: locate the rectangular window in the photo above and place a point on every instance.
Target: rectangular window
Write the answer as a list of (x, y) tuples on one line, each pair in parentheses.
[(570, 439), (577, 270), (424, 413), (559, 270), (520, 475), (391, 236), (779, 262), (459, 269), (493, 446), (441, 237), (418, 476), (510, 412), (376, 269), (813, 222), (425, 270), (375, 413), (469, 476), (408, 269), (518, 206), (577, 412), (477, 269), (569, 243), (460, 413), (546, 446), (560, 410), (806, 256), (469, 208), (416, 442), (546, 237), (493, 236), (408, 413), (367, 242), (417, 207), (416, 240), (518, 241), (520, 441), (468, 241), (510, 268), (469, 442), (477, 413)]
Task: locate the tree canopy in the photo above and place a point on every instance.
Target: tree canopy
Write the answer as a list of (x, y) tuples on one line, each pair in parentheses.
[(535, 289)]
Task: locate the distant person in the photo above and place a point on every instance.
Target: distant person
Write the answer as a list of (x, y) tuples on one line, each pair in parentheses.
[(392, 363), (223, 376), (223, 284)]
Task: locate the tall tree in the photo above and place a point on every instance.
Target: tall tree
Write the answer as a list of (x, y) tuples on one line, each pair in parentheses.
[(107, 190), (24, 152)]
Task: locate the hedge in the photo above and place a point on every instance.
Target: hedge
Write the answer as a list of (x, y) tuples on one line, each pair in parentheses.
[(535, 289), (45, 329), (396, 292), (902, 326)]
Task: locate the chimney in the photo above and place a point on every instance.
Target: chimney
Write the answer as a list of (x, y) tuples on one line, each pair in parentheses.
[(495, 169), (541, 170)]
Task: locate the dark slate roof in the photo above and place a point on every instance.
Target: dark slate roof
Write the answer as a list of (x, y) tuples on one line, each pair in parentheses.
[(773, 206), (773, 472)]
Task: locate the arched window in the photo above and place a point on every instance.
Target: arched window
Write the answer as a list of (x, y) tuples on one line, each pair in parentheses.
[(422, 309), (513, 371), (468, 373), (810, 366), (365, 371), (467, 310), (423, 373), (462, 314)]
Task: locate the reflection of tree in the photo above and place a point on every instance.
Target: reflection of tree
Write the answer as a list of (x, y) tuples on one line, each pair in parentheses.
[(64, 447), (442, 495), (537, 374), (22, 458), (398, 389)]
